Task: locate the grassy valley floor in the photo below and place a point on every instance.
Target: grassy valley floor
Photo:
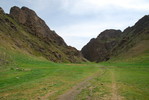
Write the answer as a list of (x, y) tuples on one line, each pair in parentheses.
[(36, 78), (118, 83), (24, 77)]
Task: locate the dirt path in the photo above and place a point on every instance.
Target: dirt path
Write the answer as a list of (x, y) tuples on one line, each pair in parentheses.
[(115, 94), (46, 96), (71, 94), (74, 91)]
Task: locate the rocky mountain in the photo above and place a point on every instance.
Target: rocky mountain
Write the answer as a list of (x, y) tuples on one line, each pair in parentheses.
[(98, 49), (111, 43), (24, 31)]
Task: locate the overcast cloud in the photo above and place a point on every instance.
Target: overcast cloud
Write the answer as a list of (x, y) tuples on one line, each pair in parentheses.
[(77, 21)]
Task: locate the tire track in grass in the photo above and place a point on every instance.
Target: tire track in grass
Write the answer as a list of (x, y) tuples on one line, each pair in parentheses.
[(114, 91), (71, 94)]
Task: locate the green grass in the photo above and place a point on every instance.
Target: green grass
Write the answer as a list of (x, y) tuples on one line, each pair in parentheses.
[(98, 88), (134, 82), (27, 77), (32, 78), (131, 79), (132, 76)]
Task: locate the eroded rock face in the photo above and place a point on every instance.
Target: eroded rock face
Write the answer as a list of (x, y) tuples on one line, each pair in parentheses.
[(18, 14), (35, 25), (1, 11), (98, 49), (29, 33), (132, 35), (112, 43), (109, 34)]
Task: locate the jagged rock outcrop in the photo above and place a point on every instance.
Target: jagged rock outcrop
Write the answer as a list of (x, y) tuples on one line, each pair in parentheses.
[(99, 49), (1, 10), (26, 31), (35, 25), (132, 35), (112, 43)]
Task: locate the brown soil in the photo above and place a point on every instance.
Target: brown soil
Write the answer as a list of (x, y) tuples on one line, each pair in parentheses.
[(74, 91), (115, 94), (46, 96), (114, 90), (71, 94)]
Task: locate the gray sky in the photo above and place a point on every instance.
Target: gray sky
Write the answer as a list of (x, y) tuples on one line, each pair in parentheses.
[(77, 21)]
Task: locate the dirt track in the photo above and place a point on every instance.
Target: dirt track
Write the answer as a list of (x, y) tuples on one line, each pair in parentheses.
[(71, 94), (74, 91), (115, 95)]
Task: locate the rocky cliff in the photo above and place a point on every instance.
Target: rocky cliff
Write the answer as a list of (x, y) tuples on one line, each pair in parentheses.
[(98, 49), (24, 30), (111, 43)]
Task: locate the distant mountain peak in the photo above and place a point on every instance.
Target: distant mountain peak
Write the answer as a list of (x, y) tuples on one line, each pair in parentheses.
[(110, 43), (109, 33), (28, 32)]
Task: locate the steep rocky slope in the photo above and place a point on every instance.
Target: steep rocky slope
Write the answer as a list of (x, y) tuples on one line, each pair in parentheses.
[(22, 30), (112, 43), (99, 49)]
